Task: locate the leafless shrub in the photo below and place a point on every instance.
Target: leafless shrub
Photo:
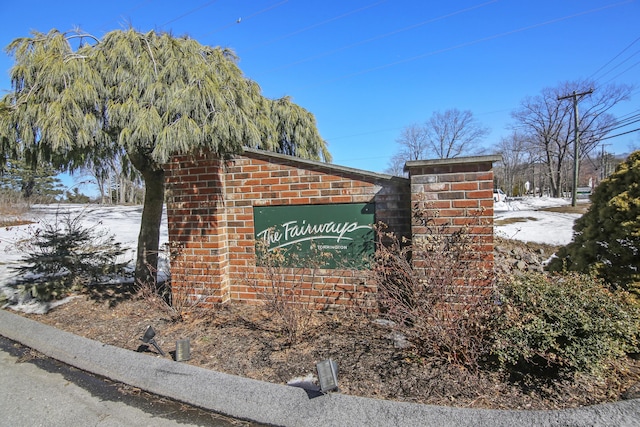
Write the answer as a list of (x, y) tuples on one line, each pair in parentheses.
[(188, 301), (436, 288), (285, 288), (12, 209)]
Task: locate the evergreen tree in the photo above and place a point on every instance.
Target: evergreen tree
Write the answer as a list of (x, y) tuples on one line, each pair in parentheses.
[(33, 184), (607, 236), (75, 196), (77, 100)]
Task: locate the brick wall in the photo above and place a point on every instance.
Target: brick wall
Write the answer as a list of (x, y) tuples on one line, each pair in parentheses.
[(457, 194), (210, 216)]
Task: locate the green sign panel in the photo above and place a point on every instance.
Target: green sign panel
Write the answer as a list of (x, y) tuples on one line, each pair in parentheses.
[(321, 236)]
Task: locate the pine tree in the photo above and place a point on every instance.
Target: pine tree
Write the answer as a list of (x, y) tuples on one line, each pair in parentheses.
[(607, 236), (33, 184)]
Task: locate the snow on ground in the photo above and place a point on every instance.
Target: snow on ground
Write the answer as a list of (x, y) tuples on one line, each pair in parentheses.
[(121, 221), (533, 225), (124, 223)]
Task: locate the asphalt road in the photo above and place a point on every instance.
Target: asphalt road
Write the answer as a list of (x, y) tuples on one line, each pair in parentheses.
[(39, 391)]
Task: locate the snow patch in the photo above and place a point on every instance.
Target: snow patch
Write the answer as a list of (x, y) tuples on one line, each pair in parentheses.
[(121, 221), (124, 222), (530, 224)]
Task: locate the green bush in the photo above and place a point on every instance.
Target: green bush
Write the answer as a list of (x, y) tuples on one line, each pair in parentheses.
[(563, 323), (63, 256), (607, 236)]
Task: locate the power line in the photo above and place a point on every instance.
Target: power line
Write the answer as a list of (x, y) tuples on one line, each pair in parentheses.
[(467, 44), (335, 18), (614, 58), (361, 158), (202, 6), (623, 121), (633, 113), (620, 64), (620, 134), (136, 7), (364, 133), (379, 131), (177, 18), (378, 37), (618, 75), (625, 124), (628, 118), (244, 18)]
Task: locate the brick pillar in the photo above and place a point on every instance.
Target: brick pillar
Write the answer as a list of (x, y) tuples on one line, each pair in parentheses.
[(197, 224), (457, 197)]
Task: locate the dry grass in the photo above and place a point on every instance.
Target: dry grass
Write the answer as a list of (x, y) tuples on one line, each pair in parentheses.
[(580, 208), (13, 212), (507, 221)]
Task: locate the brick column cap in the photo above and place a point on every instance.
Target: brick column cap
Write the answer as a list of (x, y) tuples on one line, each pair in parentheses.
[(452, 161)]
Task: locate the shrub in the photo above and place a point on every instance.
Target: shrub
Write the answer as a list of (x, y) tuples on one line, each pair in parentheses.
[(564, 323), (189, 301), (282, 290), (444, 306), (607, 236), (63, 256)]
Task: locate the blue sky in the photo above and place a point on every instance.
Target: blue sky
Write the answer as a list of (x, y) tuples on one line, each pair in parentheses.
[(368, 68)]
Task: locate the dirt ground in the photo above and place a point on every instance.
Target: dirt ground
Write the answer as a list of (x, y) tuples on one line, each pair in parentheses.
[(248, 341)]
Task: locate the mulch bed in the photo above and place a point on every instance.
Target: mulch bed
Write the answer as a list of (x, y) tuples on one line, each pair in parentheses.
[(248, 341)]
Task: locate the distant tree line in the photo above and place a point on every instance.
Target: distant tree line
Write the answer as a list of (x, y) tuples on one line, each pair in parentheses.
[(540, 148), (118, 182), (32, 184)]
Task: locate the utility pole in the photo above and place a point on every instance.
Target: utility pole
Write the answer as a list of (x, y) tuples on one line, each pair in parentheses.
[(576, 144), (604, 162)]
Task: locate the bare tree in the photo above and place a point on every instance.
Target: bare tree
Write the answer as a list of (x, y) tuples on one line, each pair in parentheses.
[(516, 160), (413, 140), (395, 166), (548, 123), (117, 180), (453, 133), (413, 146), (445, 135)]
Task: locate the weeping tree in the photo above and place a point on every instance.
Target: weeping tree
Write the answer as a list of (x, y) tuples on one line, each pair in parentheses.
[(77, 99)]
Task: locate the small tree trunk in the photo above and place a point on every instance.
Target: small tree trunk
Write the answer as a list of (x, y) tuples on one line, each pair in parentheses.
[(554, 177), (149, 238), (121, 188)]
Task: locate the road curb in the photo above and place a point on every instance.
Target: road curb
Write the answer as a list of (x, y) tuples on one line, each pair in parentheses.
[(276, 404)]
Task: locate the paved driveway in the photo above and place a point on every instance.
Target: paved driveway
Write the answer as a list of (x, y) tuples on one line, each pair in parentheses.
[(38, 391)]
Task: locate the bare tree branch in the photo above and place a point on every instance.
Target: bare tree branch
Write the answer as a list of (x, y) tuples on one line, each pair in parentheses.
[(445, 135), (547, 123)]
